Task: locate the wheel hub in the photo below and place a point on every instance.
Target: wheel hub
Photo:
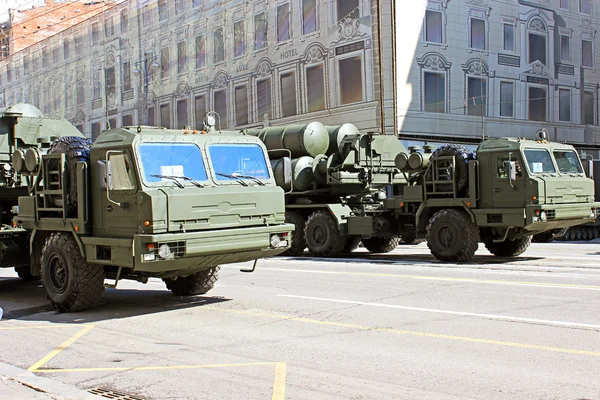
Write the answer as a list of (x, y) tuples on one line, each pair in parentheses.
[(58, 272), (319, 234), (447, 237)]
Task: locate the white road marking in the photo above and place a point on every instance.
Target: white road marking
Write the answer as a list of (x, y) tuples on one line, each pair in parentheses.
[(449, 312)]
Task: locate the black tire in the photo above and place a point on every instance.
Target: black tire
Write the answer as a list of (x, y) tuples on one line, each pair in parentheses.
[(452, 236), (24, 273), (71, 283), (463, 155), (322, 235), (544, 237), (383, 244), (298, 241), (408, 238), (75, 149), (352, 243), (195, 284), (508, 248)]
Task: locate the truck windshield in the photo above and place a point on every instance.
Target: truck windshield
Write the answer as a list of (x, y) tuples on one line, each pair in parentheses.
[(172, 163), (244, 160), (568, 162), (539, 161)]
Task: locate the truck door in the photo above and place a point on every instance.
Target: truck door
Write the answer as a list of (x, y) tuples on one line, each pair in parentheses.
[(507, 193), (119, 209)]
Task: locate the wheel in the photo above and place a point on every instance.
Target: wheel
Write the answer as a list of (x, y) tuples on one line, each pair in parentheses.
[(452, 236), (323, 236), (24, 273), (408, 238), (383, 244), (191, 285), (508, 248), (71, 283), (463, 155), (352, 243), (75, 149), (544, 237), (298, 241)]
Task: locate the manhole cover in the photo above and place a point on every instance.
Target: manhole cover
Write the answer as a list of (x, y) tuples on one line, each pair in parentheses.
[(113, 394)]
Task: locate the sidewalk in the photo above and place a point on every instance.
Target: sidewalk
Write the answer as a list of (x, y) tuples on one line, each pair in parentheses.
[(20, 384)]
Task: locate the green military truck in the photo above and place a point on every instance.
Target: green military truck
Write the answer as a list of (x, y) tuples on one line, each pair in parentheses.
[(139, 202), (349, 187)]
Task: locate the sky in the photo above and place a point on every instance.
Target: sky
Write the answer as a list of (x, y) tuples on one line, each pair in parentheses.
[(16, 4)]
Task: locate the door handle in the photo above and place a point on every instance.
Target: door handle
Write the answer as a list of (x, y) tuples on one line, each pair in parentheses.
[(497, 190), (109, 208)]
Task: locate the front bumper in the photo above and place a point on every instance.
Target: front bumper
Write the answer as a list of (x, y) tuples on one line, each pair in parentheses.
[(195, 251), (557, 216)]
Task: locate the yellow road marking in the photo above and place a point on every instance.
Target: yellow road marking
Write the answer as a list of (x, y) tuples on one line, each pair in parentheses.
[(8, 328), (154, 368), (279, 381), (441, 278), (60, 348), (413, 333)]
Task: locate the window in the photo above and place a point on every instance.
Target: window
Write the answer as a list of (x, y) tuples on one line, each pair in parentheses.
[(241, 105), (239, 39), (66, 49), (127, 120), (162, 10), (564, 105), (509, 37), (126, 76), (564, 4), (199, 110), (56, 54), (174, 159), (585, 6), (434, 92), (146, 16), (181, 57), (96, 87), (220, 106), (564, 48), (238, 159), (95, 34), (288, 94), (587, 59), (588, 108), (26, 64), (44, 58), (219, 46), (260, 31), (263, 96), (502, 172), (200, 52), (477, 34), (164, 62), (79, 46), (80, 92), (179, 7), (283, 22), (96, 130), (124, 20), (351, 86), (476, 96), (111, 82), (433, 26), (80, 128), (347, 9), (68, 90), (196, 3), (109, 26), (315, 88), (8, 73), (309, 16), (150, 117), (537, 48), (182, 114), (537, 104), (112, 123), (567, 161), (539, 161), (165, 116)]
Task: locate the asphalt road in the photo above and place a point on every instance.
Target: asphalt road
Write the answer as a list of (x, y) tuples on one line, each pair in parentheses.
[(396, 326)]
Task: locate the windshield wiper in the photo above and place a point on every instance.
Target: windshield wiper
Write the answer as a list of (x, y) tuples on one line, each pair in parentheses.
[(236, 177), (173, 178), (255, 179), (187, 178)]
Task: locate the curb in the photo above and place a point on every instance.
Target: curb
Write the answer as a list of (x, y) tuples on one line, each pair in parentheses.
[(48, 386)]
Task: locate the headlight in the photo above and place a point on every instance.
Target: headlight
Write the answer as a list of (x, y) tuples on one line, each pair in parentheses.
[(543, 216), (164, 251), (276, 241)]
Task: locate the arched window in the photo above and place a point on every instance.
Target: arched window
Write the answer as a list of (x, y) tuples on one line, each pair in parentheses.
[(537, 35)]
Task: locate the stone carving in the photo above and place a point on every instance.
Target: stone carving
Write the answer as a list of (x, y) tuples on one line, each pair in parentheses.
[(538, 25), (79, 117), (183, 89), (220, 80), (313, 54), (263, 69), (348, 28), (537, 68), (434, 61), (475, 67), (110, 59)]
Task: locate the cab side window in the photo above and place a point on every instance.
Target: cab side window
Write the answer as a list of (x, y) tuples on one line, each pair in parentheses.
[(502, 172), (122, 172)]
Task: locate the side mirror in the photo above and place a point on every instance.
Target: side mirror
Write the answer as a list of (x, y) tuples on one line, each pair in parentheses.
[(511, 170), (287, 171)]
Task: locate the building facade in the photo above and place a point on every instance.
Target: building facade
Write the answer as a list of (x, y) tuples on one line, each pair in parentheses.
[(448, 69)]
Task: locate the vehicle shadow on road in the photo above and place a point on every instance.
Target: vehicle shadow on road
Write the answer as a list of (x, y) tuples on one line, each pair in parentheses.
[(26, 301)]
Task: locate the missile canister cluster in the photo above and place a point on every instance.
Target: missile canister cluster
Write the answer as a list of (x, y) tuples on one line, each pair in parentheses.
[(310, 147), (415, 160)]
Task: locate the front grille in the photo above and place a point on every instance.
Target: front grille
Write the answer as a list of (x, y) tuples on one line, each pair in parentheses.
[(551, 214), (177, 248)]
